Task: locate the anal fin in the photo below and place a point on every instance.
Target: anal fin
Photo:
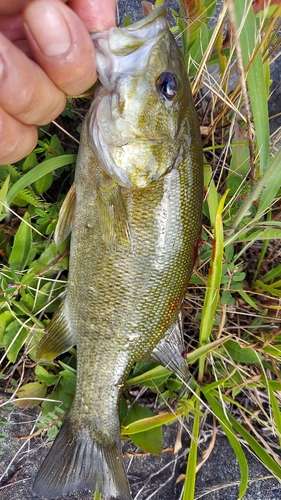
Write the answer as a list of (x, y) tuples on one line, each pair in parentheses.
[(169, 351), (58, 337)]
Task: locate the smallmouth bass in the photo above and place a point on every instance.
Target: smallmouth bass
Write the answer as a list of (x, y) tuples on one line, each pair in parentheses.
[(135, 215)]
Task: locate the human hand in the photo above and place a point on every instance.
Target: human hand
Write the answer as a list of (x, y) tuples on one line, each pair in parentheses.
[(56, 37)]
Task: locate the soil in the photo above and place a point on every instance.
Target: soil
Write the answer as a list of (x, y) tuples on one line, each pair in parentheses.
[(151, 477)]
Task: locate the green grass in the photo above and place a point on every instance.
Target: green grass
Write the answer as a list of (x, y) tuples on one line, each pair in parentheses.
[(232, 305)]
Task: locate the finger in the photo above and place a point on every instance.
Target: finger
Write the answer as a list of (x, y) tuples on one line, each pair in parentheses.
[(61, 45), (97, 16), (12, 6), (11, 24), (27, 93), (16, 139), (11, 27)]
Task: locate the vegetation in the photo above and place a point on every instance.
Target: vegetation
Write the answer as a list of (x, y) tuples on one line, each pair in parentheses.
[(232, 309)]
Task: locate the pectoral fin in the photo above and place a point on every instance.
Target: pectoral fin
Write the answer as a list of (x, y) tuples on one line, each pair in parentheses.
[(169, 352), (64, 225), (58, 337), (113, 216)]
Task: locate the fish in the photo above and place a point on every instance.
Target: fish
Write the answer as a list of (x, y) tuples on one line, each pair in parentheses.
[(134, 214)]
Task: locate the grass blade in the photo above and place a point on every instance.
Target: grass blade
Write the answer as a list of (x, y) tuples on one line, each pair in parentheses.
[(276, 413), (255, 77), (236, 446), (204, 349), (154, 373), (265, 186), (213, 284), (259, 451), (190, 475), (272, 184), (210, 205)]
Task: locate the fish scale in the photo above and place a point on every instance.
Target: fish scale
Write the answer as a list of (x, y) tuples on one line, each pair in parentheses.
[(134, 213)]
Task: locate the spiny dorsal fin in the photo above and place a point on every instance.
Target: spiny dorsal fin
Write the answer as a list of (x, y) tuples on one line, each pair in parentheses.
[(113, 216), (64, 225), (58, 337)]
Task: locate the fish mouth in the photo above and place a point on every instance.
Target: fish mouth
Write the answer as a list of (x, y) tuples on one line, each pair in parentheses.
[(131, 45)]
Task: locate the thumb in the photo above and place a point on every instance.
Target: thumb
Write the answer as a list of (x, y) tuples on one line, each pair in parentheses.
[(61, 45)]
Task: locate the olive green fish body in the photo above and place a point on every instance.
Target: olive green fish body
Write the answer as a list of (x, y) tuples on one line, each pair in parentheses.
[(136, 221), (122, 302)]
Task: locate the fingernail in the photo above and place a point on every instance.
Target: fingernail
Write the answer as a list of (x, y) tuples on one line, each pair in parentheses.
[(49, 29)]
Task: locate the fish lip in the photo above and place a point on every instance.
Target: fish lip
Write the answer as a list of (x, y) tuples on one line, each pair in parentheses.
[(158, 12), (142, 140)]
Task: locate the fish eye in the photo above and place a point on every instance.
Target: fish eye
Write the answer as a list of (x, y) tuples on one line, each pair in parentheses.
[(167, 85)]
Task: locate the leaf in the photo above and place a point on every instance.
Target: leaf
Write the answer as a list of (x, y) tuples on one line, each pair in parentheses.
[(13, 340), (54, 258), (148, 440), (12, 171), (29, 391), (43, 184), (3, 192), (5, 319), (22, 245), (196, 12), (197, 51), (36, 173), (45, 377), (153, 374), (68, 381), (59, 396), (240, 354), (27, 196)]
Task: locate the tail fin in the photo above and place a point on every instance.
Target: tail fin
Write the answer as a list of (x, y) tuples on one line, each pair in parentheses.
[(75, 463)]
